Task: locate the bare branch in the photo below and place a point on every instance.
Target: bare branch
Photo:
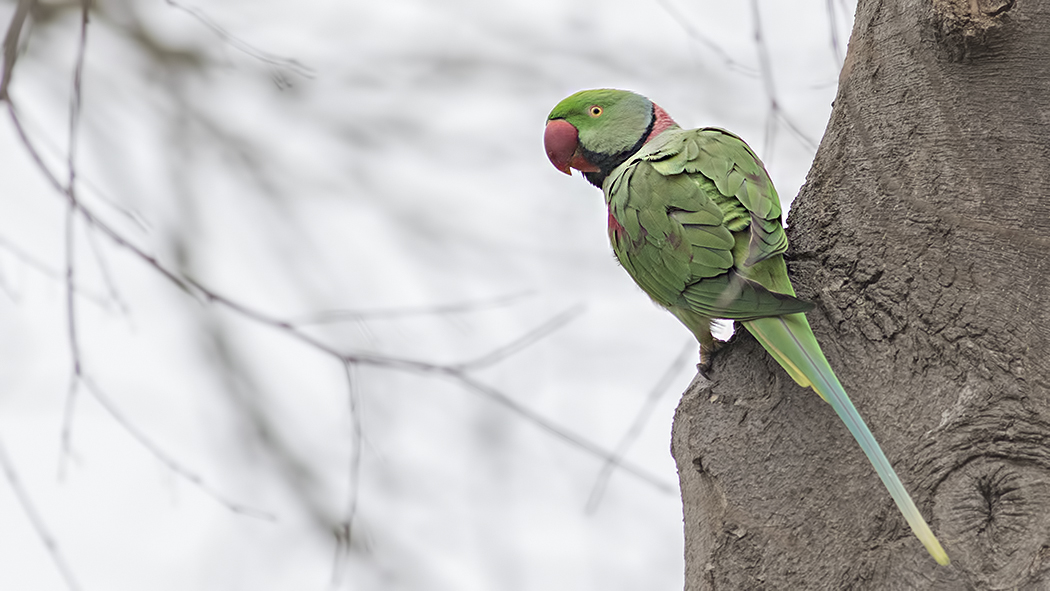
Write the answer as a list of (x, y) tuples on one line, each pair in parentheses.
[(36, 520), (14, 30), (602, 481), (457, 372), (524, 341), (88, 215)]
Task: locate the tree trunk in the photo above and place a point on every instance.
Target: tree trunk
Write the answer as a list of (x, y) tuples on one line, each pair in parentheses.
[(923, 235)]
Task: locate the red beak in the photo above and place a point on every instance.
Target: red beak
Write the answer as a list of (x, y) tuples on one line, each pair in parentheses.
[(561, 139)]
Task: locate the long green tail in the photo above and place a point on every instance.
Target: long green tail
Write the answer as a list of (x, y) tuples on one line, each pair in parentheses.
[(791, 342)]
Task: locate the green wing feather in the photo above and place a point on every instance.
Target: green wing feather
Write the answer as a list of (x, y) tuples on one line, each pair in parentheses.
[(695, 220), (672, 235)]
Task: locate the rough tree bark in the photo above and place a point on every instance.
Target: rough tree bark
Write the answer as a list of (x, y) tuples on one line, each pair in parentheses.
[(923, 235)]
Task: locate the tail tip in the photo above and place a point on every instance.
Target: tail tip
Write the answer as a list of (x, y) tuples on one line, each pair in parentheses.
[(933, 546)]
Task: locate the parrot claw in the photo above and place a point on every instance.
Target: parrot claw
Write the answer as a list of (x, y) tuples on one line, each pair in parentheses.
[(707, 357), (703, 369)]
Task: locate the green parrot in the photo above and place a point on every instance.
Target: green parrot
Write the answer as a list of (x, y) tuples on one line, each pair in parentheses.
[(695, 220)]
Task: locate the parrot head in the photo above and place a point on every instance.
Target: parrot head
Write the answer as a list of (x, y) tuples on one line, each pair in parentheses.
[(594, 131)]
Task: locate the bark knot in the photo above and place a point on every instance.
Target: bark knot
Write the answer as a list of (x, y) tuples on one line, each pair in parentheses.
[(962, 26)]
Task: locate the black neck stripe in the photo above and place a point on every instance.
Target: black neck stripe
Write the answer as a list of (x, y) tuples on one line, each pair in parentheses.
[(607, 162)]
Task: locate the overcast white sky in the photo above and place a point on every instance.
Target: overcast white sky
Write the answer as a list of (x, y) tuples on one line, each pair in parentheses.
[(395, 164)]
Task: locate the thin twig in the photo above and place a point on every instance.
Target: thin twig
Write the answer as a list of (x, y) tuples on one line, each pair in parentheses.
[(68, 412), (409, 311), (107, 279), (696, 35), (41, 267), (345, 533), (524, 341), (774, 113), (42, 531), (569, 437), (76, 100), (833, 29), (357, 442), (801, 136), (167, 460), (71, 309), (243, 46), (628, 439), (767, 80)]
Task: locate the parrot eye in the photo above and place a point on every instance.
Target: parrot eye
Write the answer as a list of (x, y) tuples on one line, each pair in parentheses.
[(595, 111)]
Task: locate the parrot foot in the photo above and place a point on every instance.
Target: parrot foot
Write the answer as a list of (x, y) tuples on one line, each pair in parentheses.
[(707, 356)]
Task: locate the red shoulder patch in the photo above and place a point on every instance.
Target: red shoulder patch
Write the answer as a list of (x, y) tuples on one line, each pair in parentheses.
[(662, 122), (615, 227)]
